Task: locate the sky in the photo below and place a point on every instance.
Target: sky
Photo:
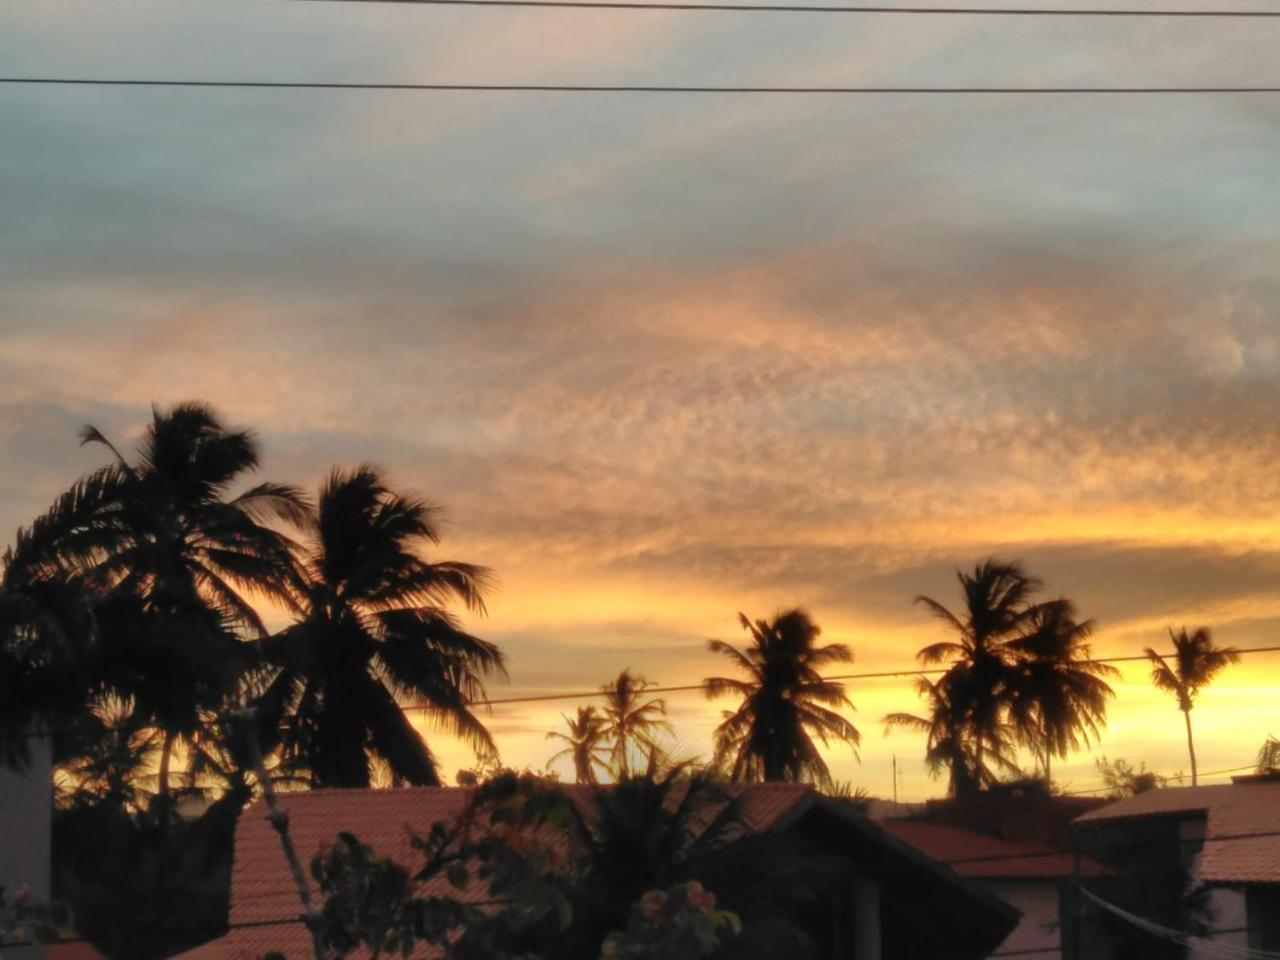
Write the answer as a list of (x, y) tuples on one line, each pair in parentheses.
[(664, 359)]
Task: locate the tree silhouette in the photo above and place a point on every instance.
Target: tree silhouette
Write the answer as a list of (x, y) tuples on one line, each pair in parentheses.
[(1196, 661), (172, 557), (948, 743), (371, 627), (978, 685), (785, 701), (584, 743), (1060, 694), (631, 722)]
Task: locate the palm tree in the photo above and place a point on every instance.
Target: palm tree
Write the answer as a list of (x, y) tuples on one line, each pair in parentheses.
[(173, 558), (785, 701), (371, 629), (584, 743), (1060, 694), (1196, 662), (979, 682), (630, 722), (949, 743)]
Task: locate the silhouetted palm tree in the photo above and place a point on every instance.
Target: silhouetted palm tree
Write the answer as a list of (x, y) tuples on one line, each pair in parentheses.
[(949, 744), (1060, 694), (631, 722), (785, 701), (1196, 661), (585, 743), (979, 682), (173, 555), (372, 628)]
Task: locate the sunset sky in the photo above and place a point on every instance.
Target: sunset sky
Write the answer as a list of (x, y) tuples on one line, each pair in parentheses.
[(663, 359)]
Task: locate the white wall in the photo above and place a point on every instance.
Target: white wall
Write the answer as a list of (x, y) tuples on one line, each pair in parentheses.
[(1040, 927)]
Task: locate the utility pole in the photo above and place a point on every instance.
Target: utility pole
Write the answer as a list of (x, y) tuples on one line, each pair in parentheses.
[(895, 783)]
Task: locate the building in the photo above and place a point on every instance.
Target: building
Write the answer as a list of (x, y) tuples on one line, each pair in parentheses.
[(879, 911), (1015, 845), (1194, 872)]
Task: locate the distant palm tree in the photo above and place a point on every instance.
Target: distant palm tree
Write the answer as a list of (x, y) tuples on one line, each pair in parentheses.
[(631, 722), (1269, 756), (585, 743), (174, 555), (785, 701), (371, 627), (979, 682), (1060, 694), (1196, 661)]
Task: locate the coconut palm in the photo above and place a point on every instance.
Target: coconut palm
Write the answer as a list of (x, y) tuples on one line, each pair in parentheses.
[(1196, 661), (173, 558), (631, 723), (372, 629), (979, 683), (949, 743), (584, 743), (1060, 693), (785, 701)]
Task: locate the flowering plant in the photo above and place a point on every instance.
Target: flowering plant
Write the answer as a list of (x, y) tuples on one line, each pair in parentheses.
[(679, 923)]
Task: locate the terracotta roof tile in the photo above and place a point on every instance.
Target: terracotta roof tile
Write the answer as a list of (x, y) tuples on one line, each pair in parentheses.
[(264, 901), (1230, 811), (973, 854)]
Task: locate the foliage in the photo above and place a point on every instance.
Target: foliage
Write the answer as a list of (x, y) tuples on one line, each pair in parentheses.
[(24, 920), (1269, 756), (1124, 780), (143, 884), (1020, 672), (785, 702), (584, 743), (1196, 661), (372, 628), (486, 887), (632, 723), (679, 923)]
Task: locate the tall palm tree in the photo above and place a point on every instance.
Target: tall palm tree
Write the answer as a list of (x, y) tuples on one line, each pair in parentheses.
[(631, 722), (584, 743), (1196, 661), (174, 557), (785, 701), (979, 682), (1060, 693), (372, 629)]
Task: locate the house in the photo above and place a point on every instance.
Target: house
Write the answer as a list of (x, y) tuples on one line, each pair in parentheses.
[(1194, 872), (1015, 845), (877, 915)]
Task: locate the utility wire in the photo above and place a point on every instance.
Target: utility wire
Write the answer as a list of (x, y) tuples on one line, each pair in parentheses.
[(603, 88), (876, 9)]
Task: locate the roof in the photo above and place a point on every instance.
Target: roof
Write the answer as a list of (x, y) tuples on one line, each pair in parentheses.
[(1242, 829), (974, 854), (264, 899)]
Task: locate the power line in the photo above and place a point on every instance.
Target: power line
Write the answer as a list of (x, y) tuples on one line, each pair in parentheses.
[(881, 675), (560, 88), (876, 9)]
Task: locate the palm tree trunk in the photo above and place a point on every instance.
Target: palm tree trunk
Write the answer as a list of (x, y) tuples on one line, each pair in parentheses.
[(166, 753), (1191, 747)]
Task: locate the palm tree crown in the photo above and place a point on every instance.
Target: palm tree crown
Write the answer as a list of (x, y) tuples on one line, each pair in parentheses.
[(170, 556), (631, 723), (785, 701), (1020, 672), (1196, 661), (584, 743), (371, 627), (1060, 691)]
